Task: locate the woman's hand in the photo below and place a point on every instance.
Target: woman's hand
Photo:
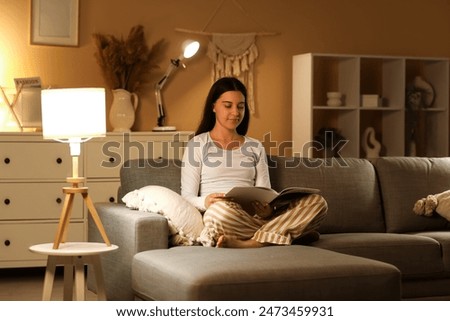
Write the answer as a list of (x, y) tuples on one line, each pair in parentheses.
[(262, 210), (215, 197)]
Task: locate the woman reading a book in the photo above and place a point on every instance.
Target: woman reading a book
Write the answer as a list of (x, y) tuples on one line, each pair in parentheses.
[(219, 157)]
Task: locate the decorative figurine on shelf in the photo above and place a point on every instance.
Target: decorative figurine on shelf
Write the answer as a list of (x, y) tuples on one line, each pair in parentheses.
[(330, 141), (334, 99), (419, 95), (369, 143)]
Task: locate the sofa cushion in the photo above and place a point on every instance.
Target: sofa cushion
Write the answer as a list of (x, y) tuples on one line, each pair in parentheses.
[(415, 256), (137, 173), (403, 181), (444, 240), (269, 273), (349, 186)]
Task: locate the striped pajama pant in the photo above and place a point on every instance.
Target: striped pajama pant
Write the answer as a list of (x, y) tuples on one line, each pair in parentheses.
[(229, 219)]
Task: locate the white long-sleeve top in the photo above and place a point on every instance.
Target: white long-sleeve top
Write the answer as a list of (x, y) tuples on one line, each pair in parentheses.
[(207, 168)]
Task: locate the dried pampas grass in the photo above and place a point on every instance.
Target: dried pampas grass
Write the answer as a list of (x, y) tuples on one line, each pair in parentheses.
[(127, 63)]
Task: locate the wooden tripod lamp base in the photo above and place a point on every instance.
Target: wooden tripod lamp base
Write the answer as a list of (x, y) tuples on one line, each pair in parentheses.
[(67, 209)]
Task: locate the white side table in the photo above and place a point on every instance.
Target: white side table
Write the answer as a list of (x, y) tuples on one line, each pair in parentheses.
[(73, 256)]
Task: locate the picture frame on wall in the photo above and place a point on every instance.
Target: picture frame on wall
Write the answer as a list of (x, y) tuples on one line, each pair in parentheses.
[(54, 22)]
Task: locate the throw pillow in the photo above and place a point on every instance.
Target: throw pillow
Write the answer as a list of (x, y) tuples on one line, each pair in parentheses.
[(185, 221)]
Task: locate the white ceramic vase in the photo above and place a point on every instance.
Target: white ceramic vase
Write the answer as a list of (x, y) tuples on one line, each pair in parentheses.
[(123, 109)]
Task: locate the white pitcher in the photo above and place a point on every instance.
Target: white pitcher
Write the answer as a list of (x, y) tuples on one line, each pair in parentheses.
[(123, 109)]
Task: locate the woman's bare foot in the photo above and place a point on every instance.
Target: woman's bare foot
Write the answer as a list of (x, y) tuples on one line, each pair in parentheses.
[(231, 242)]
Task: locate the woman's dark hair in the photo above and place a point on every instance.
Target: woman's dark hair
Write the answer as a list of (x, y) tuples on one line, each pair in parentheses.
[(217, 89)]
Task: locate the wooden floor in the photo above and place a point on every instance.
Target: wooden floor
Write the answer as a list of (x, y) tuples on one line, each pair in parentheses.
[(26, 284)]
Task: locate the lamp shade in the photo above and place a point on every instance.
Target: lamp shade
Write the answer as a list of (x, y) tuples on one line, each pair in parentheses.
[(191, 49), (71, 113)]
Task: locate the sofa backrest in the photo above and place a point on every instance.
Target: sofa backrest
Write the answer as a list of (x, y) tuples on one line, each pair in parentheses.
[(349, 186), (137, 173), (403, 181)]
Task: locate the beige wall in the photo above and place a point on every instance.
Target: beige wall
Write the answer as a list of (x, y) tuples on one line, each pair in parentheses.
[(384, 27)]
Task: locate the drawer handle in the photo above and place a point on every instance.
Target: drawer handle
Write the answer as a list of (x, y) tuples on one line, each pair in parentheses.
[(7, 160), (112, 159), (7, 242), (59, 160), (112, 199), (59, 200), (7, 201)]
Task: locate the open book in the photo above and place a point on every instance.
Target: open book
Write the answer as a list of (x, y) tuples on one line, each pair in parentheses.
[(246, 195)]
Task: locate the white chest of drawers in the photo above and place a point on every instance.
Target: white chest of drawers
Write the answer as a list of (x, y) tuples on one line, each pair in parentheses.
[(33, 172)]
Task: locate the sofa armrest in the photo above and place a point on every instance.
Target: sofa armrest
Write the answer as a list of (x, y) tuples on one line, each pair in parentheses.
[(133, 232)]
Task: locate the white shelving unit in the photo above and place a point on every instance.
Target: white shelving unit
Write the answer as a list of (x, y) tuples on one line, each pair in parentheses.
[(355, 75)]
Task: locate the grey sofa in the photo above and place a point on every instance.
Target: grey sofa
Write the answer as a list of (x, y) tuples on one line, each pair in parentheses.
[(372, 245)]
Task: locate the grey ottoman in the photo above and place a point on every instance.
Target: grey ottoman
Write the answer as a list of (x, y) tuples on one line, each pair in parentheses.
[(271, 273)]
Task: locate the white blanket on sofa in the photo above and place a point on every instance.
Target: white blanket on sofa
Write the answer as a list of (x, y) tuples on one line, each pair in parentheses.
[(439, 203)]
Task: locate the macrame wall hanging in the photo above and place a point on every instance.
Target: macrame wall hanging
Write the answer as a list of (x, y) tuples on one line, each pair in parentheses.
[(233, 54)]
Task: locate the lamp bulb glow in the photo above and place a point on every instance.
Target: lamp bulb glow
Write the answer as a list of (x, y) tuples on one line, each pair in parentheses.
[(191, 49)]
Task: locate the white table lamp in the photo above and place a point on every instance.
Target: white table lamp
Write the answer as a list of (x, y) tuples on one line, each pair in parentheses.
[(73, 116), (190, 49)]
